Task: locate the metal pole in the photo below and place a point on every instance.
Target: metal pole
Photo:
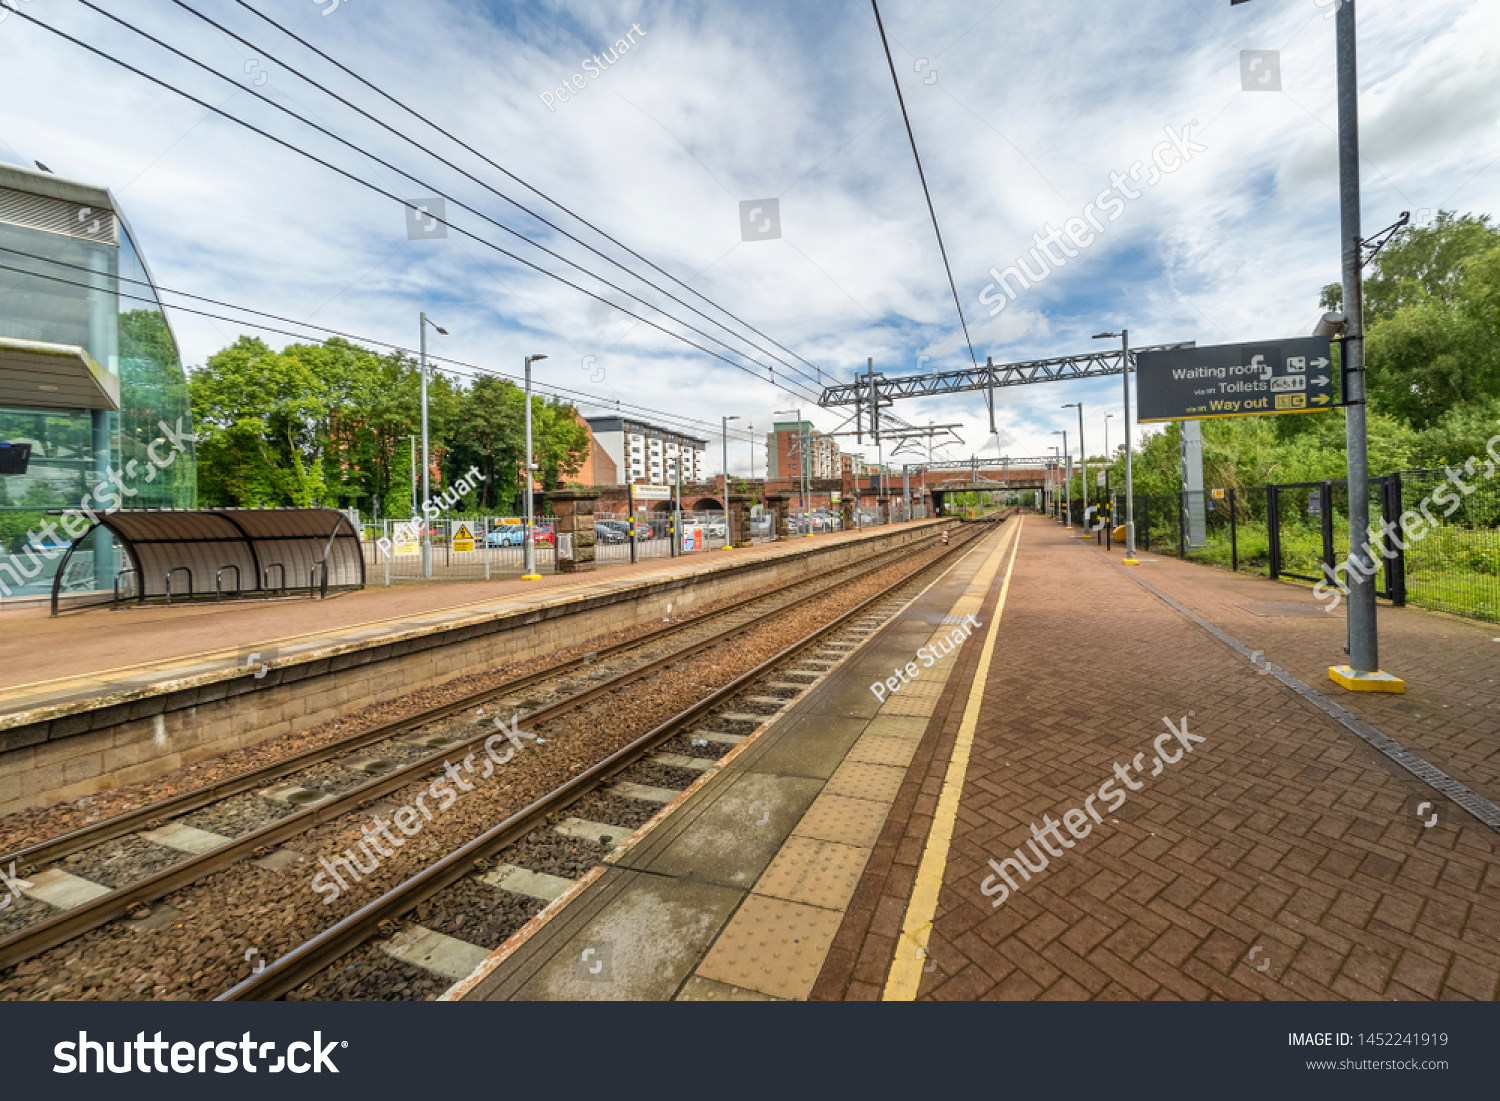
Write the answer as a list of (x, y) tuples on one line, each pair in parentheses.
[(528, 537), (1364, 650), (1083, 458), (426, 462), (1130, 558)]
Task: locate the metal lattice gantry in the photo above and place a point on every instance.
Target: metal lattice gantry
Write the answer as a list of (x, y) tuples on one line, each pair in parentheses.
[(988, 377)]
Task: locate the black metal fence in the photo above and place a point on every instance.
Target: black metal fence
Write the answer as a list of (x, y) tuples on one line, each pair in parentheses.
[(1436, 534)]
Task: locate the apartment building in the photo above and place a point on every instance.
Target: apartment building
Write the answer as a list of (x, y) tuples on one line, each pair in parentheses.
[(643, 452)]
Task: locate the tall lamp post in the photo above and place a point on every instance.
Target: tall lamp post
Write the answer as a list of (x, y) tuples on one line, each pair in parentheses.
[(1052, 477), (530, 573), (1363, 673), (1124, 335), (726, 459), (1067, 478), (801, 460), (1083, 459), (426, 461)]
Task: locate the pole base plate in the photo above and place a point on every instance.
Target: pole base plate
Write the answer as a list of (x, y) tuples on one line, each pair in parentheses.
[(1366, 682), (1130, 561), (531, 577)]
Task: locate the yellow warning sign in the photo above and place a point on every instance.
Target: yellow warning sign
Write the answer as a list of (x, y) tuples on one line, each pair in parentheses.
[(463, 539), (406, 543)]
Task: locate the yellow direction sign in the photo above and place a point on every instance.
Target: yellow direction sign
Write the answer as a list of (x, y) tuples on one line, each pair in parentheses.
[(463, 538)]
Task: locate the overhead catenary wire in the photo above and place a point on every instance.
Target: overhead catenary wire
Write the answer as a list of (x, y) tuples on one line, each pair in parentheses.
[(432, 187), (469, 369), (500, 168), (468, 175), (923, 177)]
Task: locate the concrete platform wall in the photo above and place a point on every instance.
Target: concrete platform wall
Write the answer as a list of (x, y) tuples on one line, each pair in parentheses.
[(94, 746)]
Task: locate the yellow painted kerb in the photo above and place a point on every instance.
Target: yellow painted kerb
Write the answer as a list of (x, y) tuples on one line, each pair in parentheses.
[(1366, 682), (911, 950)]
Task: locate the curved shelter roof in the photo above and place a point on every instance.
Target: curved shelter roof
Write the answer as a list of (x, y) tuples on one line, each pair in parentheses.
[(238, 550)]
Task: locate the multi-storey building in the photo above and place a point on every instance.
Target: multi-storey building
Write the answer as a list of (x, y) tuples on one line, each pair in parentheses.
[(784, 451), (642, 452)]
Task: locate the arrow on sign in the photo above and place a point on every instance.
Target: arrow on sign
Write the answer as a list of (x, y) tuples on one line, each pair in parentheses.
[(1320, 399), (1321, 380), (1319, 363)]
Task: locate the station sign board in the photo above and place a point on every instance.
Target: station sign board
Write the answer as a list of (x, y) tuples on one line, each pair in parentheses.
[(651, 493), (1235, 380)]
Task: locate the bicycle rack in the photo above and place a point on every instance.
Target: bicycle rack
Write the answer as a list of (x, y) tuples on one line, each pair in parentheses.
[(173, 573), (219, 587), (140, 597), (266, 579), (312, 586)]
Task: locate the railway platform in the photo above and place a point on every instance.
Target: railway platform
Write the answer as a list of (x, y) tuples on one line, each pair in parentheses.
[(101, 698), (1115, 782)]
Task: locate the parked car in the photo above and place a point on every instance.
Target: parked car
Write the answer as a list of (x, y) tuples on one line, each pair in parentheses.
[(512, 536), (612, 531)]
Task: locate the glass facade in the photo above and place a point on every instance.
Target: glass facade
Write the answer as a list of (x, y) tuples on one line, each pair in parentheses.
[(61, 289)]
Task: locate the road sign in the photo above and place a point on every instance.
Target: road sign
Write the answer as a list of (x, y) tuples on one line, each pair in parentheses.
[(463, 538), (1235, 380)]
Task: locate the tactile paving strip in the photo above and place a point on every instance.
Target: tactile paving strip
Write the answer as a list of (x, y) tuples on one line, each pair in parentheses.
[(873, 749), (819, 873), (773, 946), (857, 780), (837, 818)]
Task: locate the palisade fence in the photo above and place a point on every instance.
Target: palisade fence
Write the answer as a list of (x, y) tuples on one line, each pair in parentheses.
[(496, 545), (1300, 530)]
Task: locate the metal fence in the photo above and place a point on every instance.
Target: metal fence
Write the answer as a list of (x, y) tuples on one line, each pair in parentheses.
[(1440, 550)]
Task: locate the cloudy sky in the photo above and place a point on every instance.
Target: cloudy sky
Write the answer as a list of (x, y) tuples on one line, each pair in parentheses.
[(1023, 110)]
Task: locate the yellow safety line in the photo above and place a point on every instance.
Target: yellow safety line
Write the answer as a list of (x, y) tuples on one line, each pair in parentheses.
[(911, 949)]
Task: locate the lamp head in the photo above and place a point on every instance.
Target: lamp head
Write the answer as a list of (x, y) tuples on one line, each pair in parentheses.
[(534, 359), (1105, 336)]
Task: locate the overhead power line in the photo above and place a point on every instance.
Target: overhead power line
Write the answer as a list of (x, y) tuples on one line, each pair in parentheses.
[(923, 177), (469, 369), (466, 174), (500, 168), (423, 183)]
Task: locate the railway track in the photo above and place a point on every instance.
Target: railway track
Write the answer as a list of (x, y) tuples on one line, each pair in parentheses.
[(534, 853), (395, 755)]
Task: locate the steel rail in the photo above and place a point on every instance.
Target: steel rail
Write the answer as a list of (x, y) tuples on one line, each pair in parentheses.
[(54, 849), (307, 960), (72, 923)]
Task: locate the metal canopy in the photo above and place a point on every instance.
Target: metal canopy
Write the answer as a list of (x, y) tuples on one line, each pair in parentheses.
[(990, 375), (54, 376), (198, 552)]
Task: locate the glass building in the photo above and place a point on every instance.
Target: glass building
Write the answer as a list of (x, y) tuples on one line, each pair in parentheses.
[(91, 384)]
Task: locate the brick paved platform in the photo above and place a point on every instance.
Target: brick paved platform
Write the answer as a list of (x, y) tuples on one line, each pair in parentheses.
[(96, 652), (1282, 857)]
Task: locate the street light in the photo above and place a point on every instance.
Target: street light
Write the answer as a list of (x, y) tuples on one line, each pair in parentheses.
[(530, 540), (1067, 478), (1052, 476), (1083, 458), (726, 458), (1124, 335), (426, 461), (801, 461), (1363, 673)]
